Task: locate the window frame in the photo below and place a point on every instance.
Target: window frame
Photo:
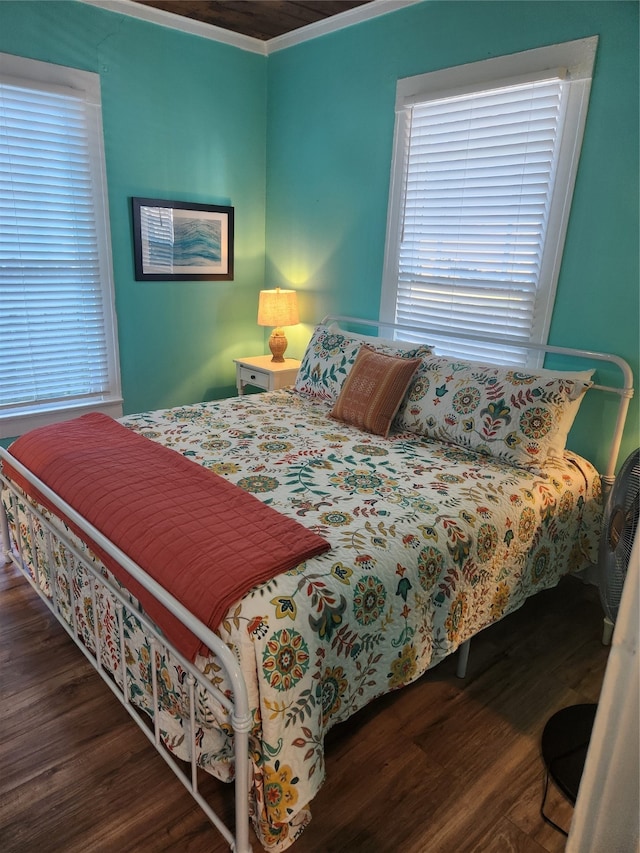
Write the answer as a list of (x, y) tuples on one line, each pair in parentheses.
[(86, 86), (575, 59)]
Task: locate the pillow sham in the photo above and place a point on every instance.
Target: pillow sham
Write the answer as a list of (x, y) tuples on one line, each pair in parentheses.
[(373, 391), (383, 344), (330, 355), (520, 417)]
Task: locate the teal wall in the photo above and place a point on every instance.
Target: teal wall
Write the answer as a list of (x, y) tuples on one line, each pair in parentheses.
[(184, 118), (329, 143), (300, 143)]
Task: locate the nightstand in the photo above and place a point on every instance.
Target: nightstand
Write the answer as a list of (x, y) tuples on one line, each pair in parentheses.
[(262, 372)]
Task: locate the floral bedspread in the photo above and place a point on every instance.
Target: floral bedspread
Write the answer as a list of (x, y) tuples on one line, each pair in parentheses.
[(430, 544)]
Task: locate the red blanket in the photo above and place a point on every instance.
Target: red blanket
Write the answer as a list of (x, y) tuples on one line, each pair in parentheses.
[(202, 538)]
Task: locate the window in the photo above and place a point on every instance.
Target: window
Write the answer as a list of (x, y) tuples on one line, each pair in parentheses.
[(485, 158), (58, 346)]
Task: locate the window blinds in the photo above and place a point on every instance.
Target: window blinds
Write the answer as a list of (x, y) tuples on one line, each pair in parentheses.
[(479, 178), (53, 344)]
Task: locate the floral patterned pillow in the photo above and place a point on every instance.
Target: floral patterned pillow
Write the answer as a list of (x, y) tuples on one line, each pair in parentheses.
[(519, 417), (331, 353)]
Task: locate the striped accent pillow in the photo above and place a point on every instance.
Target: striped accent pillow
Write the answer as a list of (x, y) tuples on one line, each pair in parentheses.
[(372, 392)]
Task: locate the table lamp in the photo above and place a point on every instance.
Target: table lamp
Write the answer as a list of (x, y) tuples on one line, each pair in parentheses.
[(278, 308)]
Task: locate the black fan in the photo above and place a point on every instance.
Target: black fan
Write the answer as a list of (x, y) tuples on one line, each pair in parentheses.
[(566, 735)]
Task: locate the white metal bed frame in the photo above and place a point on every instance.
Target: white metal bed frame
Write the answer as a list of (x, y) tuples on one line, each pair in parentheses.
[(238, 706)]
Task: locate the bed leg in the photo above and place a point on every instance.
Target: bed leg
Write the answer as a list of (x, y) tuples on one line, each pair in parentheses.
[(463, 659), (4, 534), (607, 631), (242, 726)]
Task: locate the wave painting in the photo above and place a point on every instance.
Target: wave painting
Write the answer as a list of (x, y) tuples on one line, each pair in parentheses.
[(177, 241), (197, 242)]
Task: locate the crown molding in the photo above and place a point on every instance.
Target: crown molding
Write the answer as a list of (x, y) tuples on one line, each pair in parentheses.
[(337, 22), (178, 22), (209, 31)]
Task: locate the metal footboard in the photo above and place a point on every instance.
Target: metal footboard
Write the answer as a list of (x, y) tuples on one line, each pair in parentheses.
[(48, 588)]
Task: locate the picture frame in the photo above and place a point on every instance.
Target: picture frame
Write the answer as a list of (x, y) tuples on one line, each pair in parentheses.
[(182, 241)]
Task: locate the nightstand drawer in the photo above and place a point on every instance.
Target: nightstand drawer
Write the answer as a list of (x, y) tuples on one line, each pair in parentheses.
[(262, 372), (252, 376)]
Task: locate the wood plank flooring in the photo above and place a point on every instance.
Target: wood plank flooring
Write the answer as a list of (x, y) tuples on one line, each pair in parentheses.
[(444, 765)]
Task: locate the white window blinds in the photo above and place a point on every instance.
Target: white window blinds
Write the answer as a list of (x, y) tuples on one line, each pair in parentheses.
[(479, 174), (477, 239), (57, 335)]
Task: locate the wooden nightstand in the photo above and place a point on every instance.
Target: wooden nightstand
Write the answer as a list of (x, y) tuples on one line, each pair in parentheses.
[(261, 372)]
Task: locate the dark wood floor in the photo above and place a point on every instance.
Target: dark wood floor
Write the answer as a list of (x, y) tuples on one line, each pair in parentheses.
[(444, 765)]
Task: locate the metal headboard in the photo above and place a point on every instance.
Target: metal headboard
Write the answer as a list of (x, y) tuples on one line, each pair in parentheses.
[(624, 389)]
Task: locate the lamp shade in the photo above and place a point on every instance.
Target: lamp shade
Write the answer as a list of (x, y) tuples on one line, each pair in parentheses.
[(278, 308)]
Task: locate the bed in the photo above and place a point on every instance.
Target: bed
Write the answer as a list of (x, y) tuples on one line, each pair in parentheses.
[(436, 494)]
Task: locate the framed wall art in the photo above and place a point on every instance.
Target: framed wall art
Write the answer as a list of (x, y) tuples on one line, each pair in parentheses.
[(180, 241)]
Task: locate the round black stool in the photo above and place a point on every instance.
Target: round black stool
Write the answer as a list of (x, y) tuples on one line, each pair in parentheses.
[(565, 740)]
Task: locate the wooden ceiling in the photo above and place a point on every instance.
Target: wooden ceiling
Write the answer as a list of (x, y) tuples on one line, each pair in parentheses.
[(260, 19)]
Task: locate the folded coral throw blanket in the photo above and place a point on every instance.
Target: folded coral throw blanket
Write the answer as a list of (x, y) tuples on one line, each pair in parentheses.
[(205, 540)]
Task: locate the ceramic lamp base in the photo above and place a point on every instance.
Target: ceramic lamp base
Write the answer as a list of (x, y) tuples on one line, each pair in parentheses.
[(278, 344)]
